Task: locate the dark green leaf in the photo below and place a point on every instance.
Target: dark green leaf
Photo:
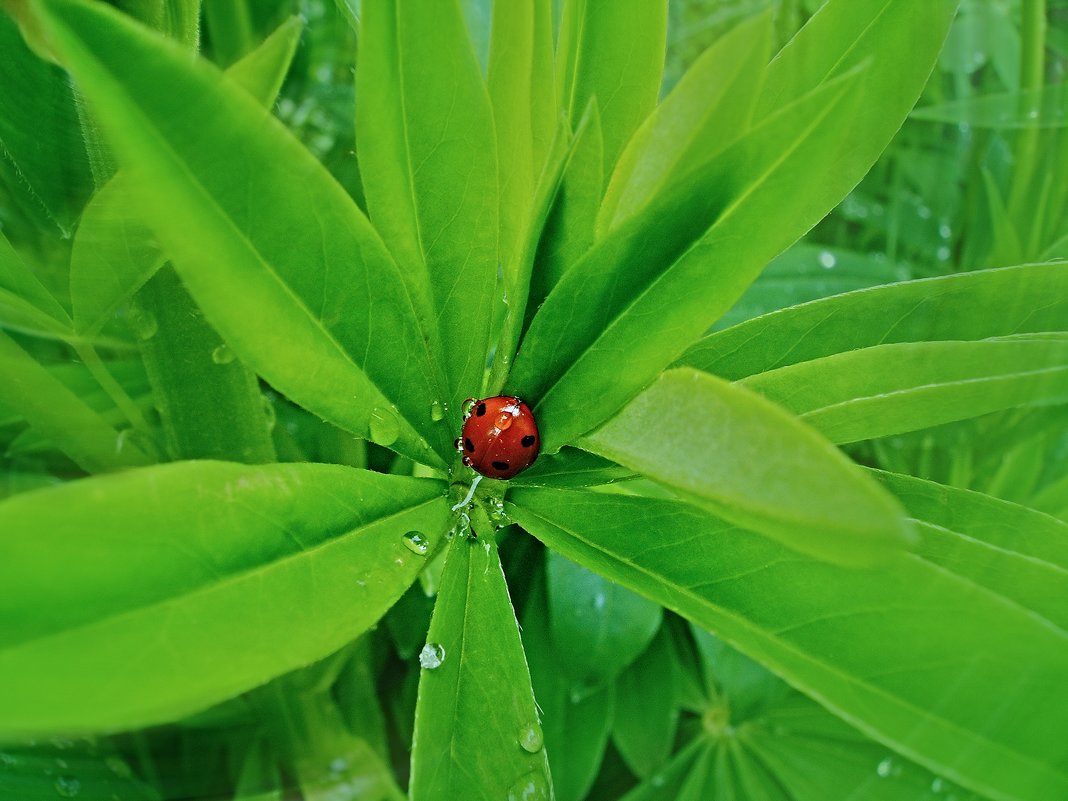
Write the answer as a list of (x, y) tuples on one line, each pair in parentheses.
[(1032, 108), (646, 716)]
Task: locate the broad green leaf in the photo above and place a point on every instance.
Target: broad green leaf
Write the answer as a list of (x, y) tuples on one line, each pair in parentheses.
[(522, 91), (428, 159), (614, 53), (40, 136), (572, 468), (809, 272), (907, 652), (114, 251), (66, 769), (101, 630), (258, 231), (57, 414), (477, 731), (709, 108), (658, 281), (755, 464), (1032, 108), (1012, 300), (891, 389), (597, 626), (576, 727), (1053, 499), (646, 717)]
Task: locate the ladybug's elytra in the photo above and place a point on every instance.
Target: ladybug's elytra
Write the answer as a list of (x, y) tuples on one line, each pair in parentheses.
[(499, 437)]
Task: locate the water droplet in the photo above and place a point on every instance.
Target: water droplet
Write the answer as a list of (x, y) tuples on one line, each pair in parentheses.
[(943, 253), (269, 413), (658, 780), (7, 761), (937, 785), (468, 407), (223, 354), (339, 765), (62, 764), (118, 766), (827, 259), (431, 656), (924, 212), (531, 787), (67, 786), (495, 510), (885, 767), (384, 427), (416, 542), (945, 231), (145, 325), (437, 411), (531, 738), (599, 601), (1032, 114)]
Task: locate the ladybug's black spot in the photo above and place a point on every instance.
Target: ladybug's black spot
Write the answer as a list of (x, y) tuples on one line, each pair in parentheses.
[(480, 410), (469, 444), (527, 441), (500, 465)]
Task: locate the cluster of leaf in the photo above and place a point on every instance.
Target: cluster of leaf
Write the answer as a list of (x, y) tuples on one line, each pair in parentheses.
[(251, 592)]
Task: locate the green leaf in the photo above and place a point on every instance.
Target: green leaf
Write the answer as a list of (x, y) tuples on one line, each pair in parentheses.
[(428, 159), (947, 673), (646, 717), (576, 727), (104, 631), (753, 463), (65, 769), (705, 112), (115, 251), (597, 627), (892, 389), (665, 785), (477, 732), (60, 416), (1014, 300), (571, 468), (258, 231), (613, 53), (1031, 108), (648, 290)]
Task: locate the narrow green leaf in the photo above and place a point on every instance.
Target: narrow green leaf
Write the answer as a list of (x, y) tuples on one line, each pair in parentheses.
[(428, 159), (477, 731), (45, 772), (258, 231), (101, 631), (19, 280), (597, 626), (1032, 108), (658, 281), (704, 113), (907, 652), (646, 717), (613, 53), (60, 416), (755, 464), (262, 71), (572, 468), (892, 389), (666, 784), (1013, 300)]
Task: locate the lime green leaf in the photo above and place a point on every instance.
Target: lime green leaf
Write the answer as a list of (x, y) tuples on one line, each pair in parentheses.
[(646, 717), (261, 72), (1031, 108), (477, 732), (428, 159), (907, 652), (1030, 298), (754, 464), (704, 113), (597, 626), (258, 231), (103, 631), (614, 53), (892, 389), (658, 281), (57, 414), (572, 468), (576, 727)]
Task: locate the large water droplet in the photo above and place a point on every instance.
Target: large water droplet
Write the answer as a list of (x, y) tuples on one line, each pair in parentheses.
[(531, 738), (531, 787), (67, 786), (416, 542), (145, 325), (431, 656), (223, 354), (437, 411), (885, 768), (384, 427)]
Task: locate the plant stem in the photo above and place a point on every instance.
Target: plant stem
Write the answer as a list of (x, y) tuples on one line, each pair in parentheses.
[(1032, 78)]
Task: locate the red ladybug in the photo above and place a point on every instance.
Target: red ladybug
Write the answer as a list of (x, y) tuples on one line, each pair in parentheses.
[(500, 437)]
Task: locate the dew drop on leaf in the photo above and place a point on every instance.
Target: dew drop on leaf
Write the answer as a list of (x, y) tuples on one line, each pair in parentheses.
[(827, 259), (384, 427), (431, 656), (530, 738), (145, 325), (7, 761), (885, 767), (531, 787), (223, 354), (118, 766), (937, 785), (416, 542), (437, 411), (67, 786)]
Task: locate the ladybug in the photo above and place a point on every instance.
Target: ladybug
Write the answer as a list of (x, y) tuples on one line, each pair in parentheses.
[(499, 437)]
